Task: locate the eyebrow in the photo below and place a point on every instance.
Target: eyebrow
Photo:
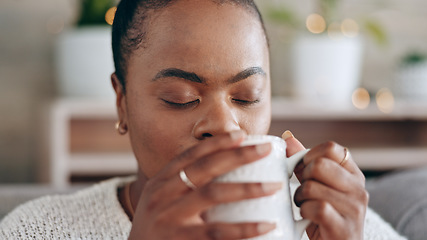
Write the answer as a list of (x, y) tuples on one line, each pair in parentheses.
[(175, 72), (247, 73), (193, 77)]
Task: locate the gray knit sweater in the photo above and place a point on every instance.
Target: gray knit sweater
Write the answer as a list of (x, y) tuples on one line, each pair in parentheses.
[(96, 213)]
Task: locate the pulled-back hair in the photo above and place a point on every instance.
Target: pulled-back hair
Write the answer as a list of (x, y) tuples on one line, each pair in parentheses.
[(130, 24)]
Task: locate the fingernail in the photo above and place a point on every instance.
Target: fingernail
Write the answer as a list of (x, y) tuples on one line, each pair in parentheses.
[(265, 227), (236, 135), (271, 187), (287, 134), (263, 149)]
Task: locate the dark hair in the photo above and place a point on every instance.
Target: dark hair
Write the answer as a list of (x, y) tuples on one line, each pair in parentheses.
[(128, 35)]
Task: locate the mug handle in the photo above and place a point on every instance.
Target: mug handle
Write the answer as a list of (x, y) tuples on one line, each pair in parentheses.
[(300, 227), (291, 163), (293, 160)]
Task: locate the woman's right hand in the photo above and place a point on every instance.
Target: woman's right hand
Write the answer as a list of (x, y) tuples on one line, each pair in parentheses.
[(169, 209)]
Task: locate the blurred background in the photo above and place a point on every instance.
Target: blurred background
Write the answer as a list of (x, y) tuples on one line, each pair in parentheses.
[(56, 99)]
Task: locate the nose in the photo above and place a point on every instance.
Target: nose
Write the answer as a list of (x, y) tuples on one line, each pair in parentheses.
[(219, 118)]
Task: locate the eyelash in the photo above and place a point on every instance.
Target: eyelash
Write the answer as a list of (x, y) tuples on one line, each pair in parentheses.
[(190, 104), (245, 102), (181, 105)]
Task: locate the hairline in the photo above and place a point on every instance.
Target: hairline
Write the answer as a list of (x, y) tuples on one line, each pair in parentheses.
[(143, 30)]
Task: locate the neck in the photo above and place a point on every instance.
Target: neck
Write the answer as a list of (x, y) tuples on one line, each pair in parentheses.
[(135, 191)]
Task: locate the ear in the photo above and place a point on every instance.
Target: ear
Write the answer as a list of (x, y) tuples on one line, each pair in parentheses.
[(120, 98)]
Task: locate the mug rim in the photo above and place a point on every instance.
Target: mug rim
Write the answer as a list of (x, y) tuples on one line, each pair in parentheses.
[(263, 139)]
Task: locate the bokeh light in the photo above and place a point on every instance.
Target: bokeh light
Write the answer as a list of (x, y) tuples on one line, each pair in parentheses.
[(55, 24), (385, 100), (109, 15), (315, 23), (361, 98), (350, 28)]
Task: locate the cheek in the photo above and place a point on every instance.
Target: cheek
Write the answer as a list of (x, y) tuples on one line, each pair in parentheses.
[(258, 122), (156, 139)]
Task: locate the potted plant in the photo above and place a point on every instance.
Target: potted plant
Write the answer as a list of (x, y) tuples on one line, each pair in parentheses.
[(326, 51), (83, 52), (410, 82)]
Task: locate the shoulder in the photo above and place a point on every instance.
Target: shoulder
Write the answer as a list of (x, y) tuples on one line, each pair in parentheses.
[(92, 211)]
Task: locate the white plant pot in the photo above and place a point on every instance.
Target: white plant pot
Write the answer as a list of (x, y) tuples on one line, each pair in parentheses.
[(410, 82), (326, 70), (84, 62)]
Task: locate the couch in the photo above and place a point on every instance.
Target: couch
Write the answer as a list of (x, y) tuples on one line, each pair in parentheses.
[(401, 199)]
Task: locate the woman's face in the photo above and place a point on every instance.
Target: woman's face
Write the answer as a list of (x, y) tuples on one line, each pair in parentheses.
[(204, 71)]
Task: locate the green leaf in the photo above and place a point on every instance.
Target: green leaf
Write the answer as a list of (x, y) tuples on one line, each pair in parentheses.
[(328, 9), (284, 16), (414, 58), (331, 4), (93, 12), (377, 32)]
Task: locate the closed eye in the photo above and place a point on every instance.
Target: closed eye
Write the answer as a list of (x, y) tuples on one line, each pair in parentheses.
[(178, 105), (245, 102)]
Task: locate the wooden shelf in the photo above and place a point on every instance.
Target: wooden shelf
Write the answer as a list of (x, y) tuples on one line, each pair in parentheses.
[(383, 159), (102, 164), (283, 108)]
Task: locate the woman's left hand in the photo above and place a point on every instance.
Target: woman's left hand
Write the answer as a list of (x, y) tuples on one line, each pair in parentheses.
[(332, 193)]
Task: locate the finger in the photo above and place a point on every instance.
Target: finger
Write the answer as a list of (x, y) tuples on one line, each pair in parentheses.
[(293, 145), (331, 174), (329, 221), (335, 152), (343, 203), (225, 231), (220, 193), (214, 165), (206, 169), (210, 145)]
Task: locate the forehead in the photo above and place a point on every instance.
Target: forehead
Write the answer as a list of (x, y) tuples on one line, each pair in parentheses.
[(199, 35)]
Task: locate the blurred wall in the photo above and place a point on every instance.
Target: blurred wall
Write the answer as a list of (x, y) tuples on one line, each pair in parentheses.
[(28, 30), (27, 79)]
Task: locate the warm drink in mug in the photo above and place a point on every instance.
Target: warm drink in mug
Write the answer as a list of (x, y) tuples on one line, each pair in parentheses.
[(275, 167)]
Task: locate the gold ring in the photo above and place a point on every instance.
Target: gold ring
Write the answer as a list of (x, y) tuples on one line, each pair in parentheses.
[(186, 180), (346, 156)]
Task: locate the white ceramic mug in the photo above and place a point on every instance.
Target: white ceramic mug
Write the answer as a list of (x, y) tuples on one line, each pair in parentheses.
[(275, 167)]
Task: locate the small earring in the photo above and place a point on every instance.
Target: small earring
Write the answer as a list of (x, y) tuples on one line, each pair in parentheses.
[(121, 130)]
